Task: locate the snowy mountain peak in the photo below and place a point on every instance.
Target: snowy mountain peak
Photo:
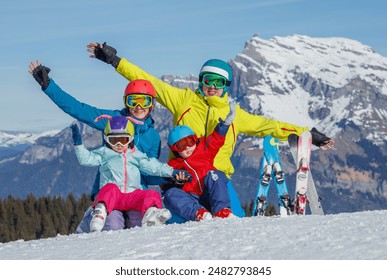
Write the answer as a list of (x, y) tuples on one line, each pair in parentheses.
[(323, 82), (335, 61), (8, 139)]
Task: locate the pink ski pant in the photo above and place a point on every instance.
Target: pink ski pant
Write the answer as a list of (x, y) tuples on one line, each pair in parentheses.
[(139, 200)]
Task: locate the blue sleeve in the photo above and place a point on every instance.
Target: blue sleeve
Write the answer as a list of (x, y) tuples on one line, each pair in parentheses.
[(78, 110)]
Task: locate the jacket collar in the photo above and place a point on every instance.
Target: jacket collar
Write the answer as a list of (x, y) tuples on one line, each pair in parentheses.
[(216, 101)]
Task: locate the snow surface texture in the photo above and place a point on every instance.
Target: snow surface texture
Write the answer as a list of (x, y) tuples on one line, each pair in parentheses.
[(346, 236)]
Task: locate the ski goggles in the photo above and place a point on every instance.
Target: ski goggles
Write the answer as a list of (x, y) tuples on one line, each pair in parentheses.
[(134, 100), (115, 139), (214, 79), (183, 143)]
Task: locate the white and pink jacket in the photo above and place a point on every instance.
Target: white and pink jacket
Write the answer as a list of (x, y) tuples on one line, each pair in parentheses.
[(122, 169)]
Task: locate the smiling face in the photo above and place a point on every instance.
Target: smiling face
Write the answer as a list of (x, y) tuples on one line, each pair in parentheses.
[(212, 91), (139, 112)]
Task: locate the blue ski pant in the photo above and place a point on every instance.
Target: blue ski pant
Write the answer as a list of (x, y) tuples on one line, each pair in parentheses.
[(215, 197)]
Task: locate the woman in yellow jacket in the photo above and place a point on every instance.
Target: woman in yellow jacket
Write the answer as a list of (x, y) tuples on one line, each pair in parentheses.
[(201, 110)]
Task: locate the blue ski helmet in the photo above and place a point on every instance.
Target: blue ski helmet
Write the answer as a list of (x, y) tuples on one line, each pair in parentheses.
[(179, 132), (219, 67)]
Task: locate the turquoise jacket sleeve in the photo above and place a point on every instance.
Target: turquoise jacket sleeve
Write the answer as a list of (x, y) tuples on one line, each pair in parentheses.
[(78, 110)]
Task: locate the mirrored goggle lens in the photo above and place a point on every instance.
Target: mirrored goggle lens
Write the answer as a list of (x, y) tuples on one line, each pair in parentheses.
[(118, 139), (213, 79), (145, 101), (182, 144)]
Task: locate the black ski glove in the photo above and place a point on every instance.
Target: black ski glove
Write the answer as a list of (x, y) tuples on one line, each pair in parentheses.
[(318, 138), (77, 138), (40, 73), (187, 176), (179, 183), (107, 54)]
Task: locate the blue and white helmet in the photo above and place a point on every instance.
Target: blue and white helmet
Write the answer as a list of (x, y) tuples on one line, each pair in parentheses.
[(219, 67)]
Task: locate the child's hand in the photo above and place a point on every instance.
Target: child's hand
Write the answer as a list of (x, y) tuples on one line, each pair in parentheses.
[(180, 177), (231, 115), (77, 138)]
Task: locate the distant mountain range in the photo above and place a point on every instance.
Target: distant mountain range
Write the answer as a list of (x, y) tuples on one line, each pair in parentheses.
[(335, 84), (12, 142)]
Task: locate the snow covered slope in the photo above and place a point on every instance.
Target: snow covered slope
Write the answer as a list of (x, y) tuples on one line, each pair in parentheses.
[(346, 236)]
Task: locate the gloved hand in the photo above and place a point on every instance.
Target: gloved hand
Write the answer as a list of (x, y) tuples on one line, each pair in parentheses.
[(319, 139), (40, 73), (77, 138), (231, 115), (181, 176), (105, 53)]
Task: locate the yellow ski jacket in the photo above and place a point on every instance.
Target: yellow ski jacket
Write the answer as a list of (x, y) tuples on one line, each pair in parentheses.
[(202, 114)]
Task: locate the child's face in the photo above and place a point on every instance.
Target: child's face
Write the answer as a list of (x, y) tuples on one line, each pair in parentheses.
[(119, 148), (187, 152)]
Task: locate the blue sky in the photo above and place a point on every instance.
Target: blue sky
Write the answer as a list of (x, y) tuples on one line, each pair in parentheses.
[(163, 37)]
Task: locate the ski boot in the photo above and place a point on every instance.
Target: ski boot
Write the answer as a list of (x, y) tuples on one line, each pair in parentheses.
[(99, 217), (156, 216)]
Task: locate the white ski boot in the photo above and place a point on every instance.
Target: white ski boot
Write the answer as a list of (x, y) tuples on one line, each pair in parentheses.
[(155, 216), (99, 217)]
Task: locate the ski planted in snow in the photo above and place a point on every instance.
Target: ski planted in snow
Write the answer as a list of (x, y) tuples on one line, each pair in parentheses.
[(271, 170), (305, 192)]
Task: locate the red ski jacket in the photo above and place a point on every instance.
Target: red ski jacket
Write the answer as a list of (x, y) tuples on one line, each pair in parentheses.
[(201, 160)]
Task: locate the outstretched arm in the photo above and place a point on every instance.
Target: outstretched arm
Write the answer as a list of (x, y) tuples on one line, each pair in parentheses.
[(78, 110), (84, 156), (168, 96)]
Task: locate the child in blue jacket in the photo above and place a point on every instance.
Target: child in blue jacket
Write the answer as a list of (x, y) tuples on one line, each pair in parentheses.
[(120, 163)]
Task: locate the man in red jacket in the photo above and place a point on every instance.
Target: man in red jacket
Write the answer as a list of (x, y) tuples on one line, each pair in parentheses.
[(206, 193)]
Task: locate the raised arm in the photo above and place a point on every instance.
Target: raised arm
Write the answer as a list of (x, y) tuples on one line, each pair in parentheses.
[(68, 104), (84, 156)]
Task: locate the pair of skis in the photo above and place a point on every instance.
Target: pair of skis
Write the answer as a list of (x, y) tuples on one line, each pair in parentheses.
[(271, 168)]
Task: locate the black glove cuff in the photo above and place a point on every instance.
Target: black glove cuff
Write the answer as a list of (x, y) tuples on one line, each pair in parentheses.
[(40, 74), (115, 61)]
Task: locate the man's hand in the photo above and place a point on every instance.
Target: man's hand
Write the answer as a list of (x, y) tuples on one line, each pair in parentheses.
[(320, 140), (104, 52)]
